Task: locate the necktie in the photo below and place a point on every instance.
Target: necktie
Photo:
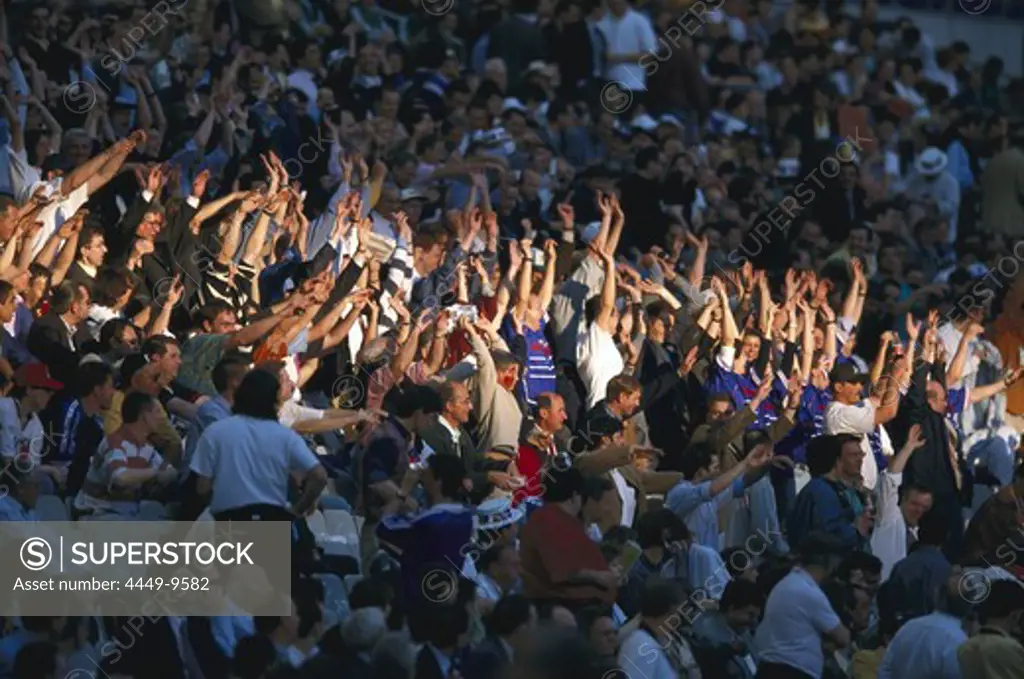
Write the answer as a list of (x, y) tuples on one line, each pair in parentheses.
[(954, 461), (911, 538)]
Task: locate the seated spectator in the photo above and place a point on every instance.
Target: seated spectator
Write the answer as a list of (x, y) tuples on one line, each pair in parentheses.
[(126, 468), (928, 645), (21, 431), (658, 649), (510, 628), (724, 639), (598, 626), (21, 483), (81, 427), (143, 376)]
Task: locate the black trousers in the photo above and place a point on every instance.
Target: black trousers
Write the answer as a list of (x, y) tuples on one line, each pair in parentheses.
[(772, 670), (255, 513), (304, 548)]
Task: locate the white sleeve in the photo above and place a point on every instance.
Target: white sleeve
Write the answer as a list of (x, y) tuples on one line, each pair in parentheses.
[(889, 498), (844, 419), (648, 41), (725, 357)]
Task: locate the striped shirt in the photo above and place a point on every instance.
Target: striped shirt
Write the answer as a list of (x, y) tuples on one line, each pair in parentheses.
[(539, 376), (114, 457)]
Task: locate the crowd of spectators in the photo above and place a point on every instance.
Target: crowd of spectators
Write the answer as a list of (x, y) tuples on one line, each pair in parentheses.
[(574, 339)]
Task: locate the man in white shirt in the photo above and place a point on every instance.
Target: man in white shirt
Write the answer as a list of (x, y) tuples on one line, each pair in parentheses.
[(73, 191), (629, 36), (896, 525), (798, 616), (597, 358), (850, 413)]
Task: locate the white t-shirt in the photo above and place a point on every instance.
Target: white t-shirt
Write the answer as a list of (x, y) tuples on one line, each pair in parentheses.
[(598, 361), (630, 34), (250, 462), (860, 421), (796, 618), (54, 215)]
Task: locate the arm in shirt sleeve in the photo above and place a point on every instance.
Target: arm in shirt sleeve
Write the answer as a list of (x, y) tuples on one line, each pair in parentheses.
[(300, 457), (8, 427), (738, 488), (823, 618), (686, 497), (708, 572), (204, 457), (889, 498), (852, 419)]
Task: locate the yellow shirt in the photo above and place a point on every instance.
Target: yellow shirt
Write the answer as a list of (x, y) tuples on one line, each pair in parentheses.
[(166, 439), (865, 664)]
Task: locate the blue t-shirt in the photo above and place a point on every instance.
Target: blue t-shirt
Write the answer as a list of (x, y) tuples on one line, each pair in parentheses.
[(539, 375)]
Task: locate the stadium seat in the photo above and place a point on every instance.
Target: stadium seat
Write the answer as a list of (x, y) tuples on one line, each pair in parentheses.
[(317, 524), (52, 508), (335, 599), (340, 522)]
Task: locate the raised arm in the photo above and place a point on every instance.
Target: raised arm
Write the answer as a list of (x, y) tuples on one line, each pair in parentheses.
[(956, 366), (604, 314)]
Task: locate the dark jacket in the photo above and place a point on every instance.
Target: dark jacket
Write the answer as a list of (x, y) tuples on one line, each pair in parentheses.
[(437, 436), (49, 340), (486, 661)]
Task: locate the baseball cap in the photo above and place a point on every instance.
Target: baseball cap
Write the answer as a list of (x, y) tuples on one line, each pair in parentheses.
[(412, 194), (848, 373), (36, 376)]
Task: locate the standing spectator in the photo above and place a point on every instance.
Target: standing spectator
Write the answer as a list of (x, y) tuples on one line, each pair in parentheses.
[(932, 183), (896, 527), (430, 544), (851, 413), (227, 377), (518, 41), (630, 36), (559, 560), (245, 462), (1001, 188), (658, 649), (798, 617), (825, 503)]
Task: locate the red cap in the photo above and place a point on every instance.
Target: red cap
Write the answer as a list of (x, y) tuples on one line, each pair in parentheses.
[(36, 376)]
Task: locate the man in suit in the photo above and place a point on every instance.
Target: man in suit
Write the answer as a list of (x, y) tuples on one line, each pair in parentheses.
[(508, 629), (50, 338), (442, 623), (447, 434)]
